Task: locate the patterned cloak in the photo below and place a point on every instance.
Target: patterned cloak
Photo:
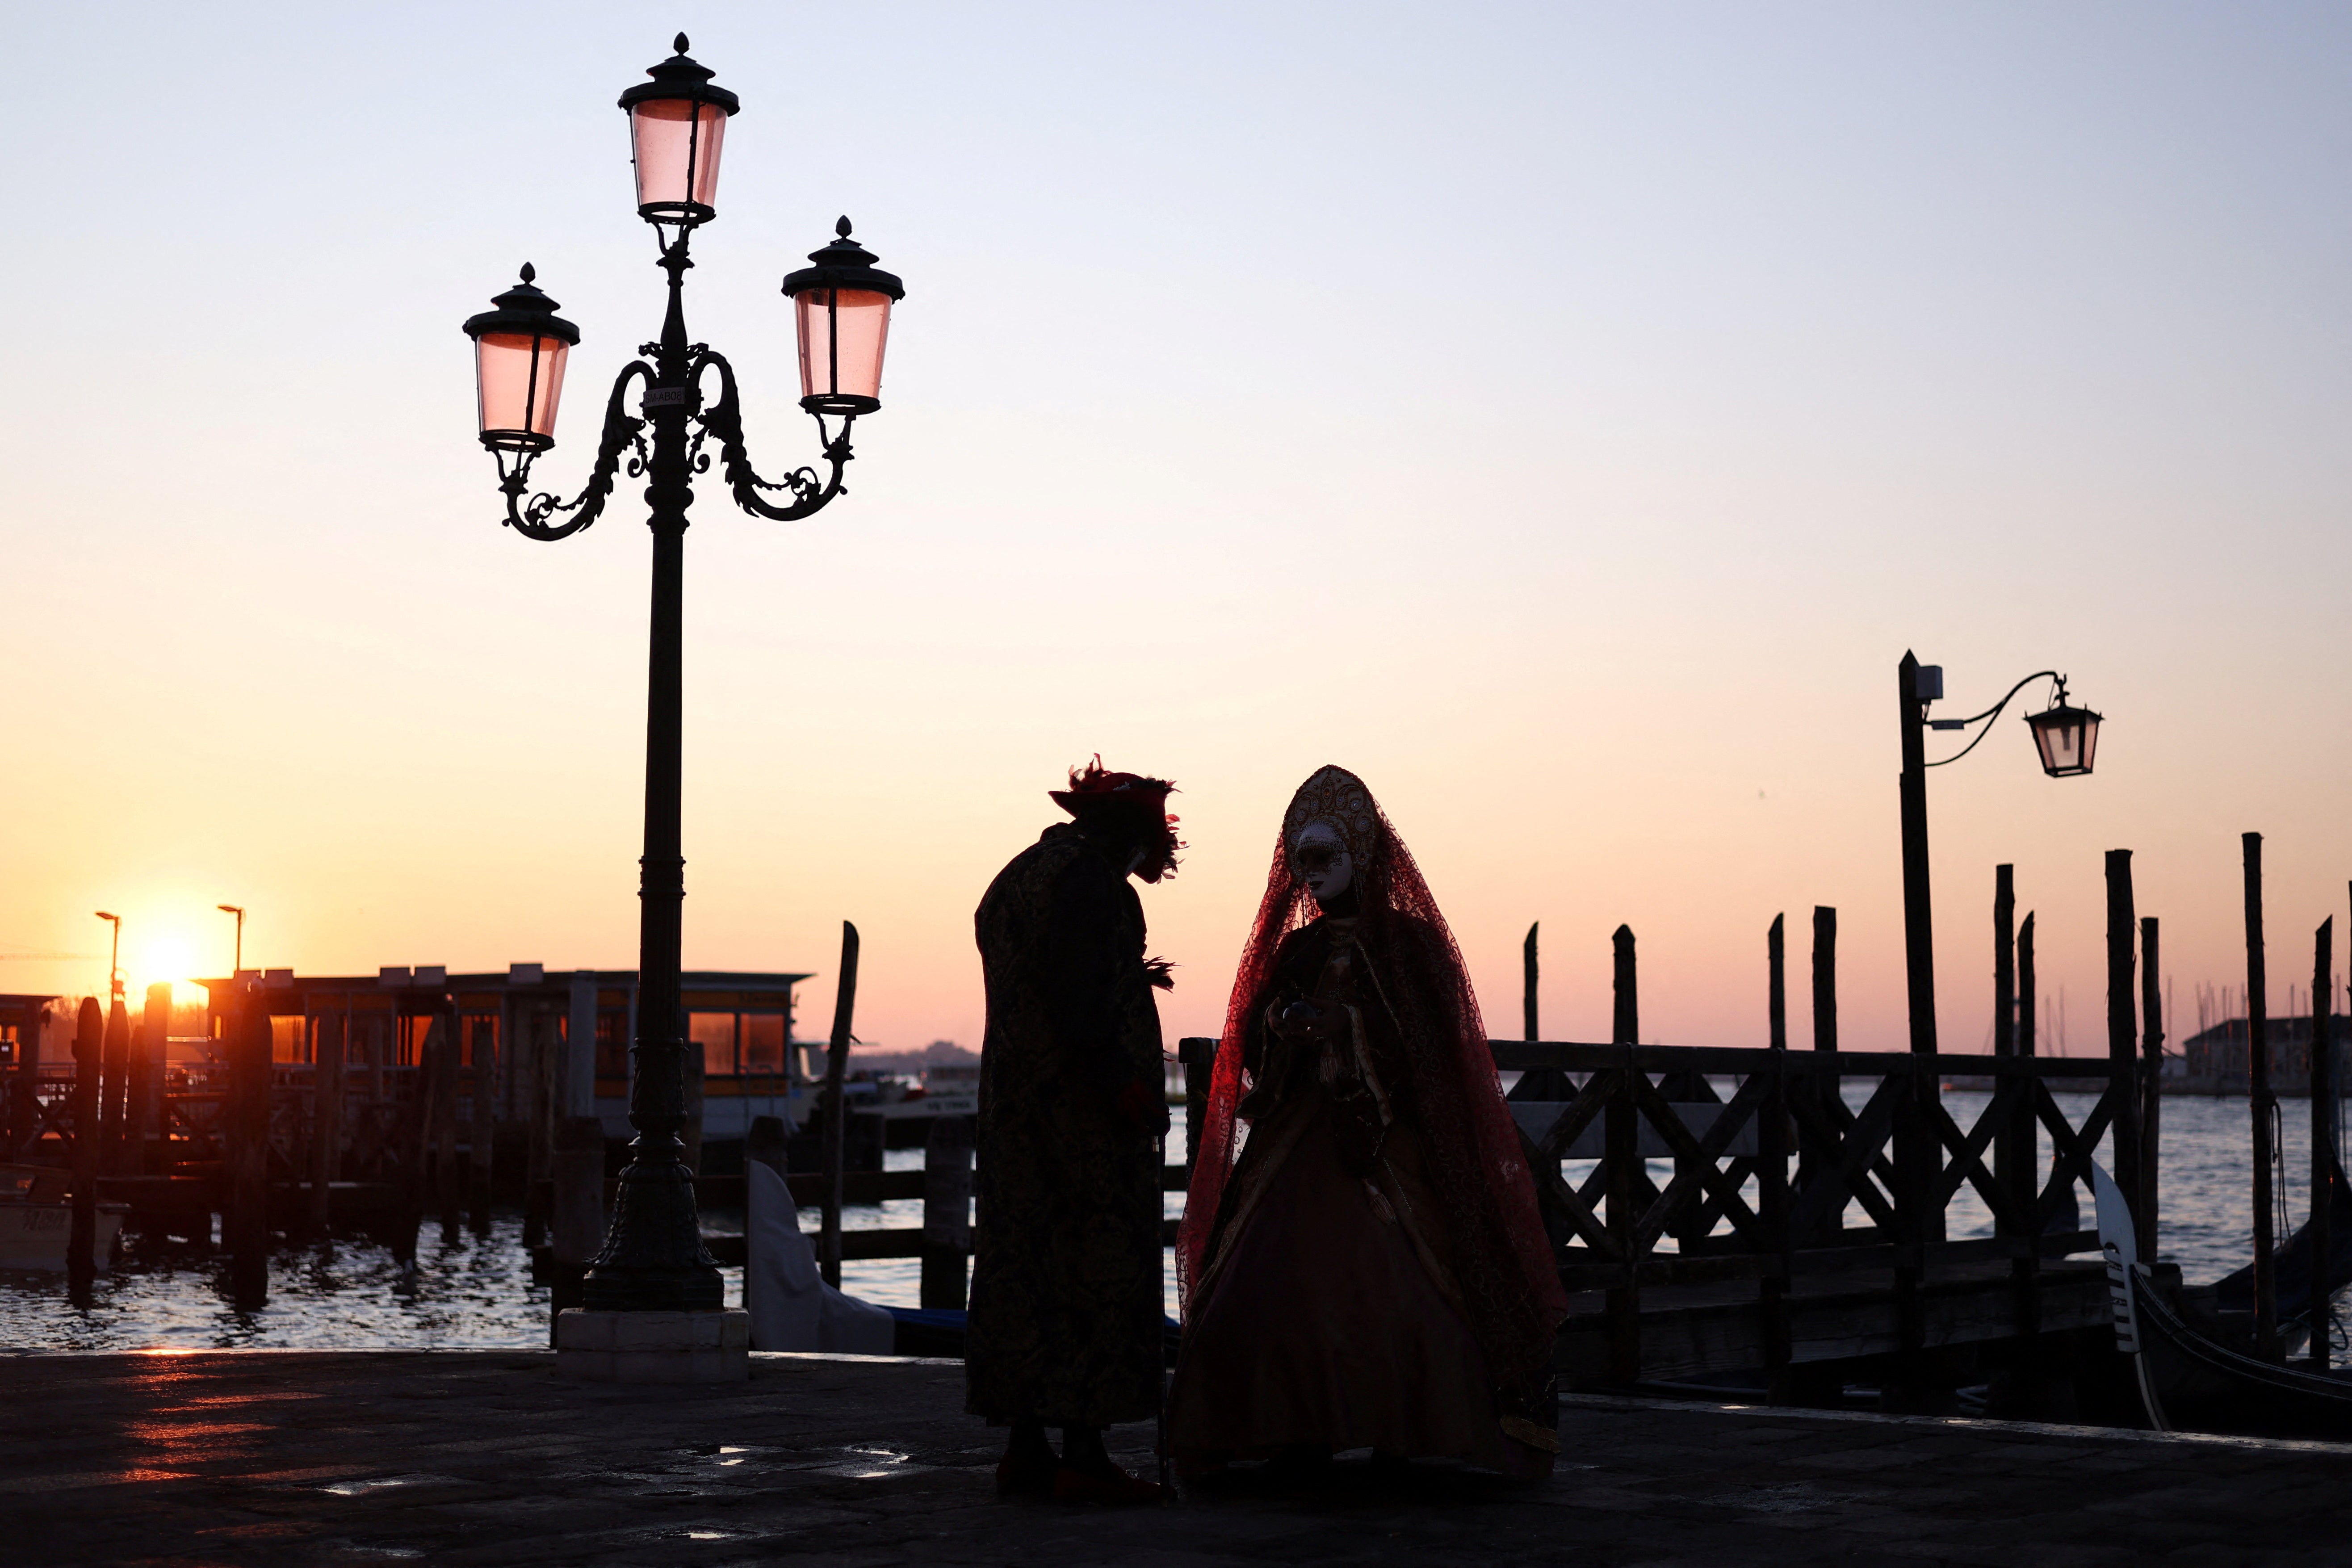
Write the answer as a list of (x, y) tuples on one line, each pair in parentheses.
[(1067, 1315)]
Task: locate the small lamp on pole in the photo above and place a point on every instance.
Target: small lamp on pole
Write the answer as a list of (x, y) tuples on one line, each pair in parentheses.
[(238, 961), (114, 959)]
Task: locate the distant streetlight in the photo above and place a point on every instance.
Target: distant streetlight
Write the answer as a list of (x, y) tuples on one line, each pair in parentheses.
[(2065, 737), (236, 963), (652, 1260), (114, 959)]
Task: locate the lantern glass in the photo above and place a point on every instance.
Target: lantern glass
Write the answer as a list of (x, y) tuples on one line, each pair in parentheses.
[(843, 333), (518, 378), (2067, 737), (676, 142)]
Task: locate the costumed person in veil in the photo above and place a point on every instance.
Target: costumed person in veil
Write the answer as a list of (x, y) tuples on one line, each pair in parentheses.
[(1067, 1321), (1371, 1270)]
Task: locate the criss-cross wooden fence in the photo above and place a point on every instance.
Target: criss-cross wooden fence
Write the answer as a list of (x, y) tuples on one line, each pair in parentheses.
[(1791, 1228), (1794, 1228)]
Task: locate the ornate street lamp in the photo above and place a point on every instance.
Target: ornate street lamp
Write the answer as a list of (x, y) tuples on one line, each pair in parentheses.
[(653, 1258), (2064, 736)]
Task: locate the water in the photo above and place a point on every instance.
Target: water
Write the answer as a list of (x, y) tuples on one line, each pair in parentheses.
[(476, 1293)]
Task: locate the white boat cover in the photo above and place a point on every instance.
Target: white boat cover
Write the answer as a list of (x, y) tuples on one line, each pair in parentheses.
[(791, 1306)]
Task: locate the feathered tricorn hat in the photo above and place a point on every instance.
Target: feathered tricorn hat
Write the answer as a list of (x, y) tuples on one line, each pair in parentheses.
[(1096, 785)]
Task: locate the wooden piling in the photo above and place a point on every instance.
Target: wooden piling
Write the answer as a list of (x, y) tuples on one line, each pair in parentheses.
[(1776, 989), (479, 1138), (2323, 1139), (2005, 1152), (576, 1228), (327, 1117), (836, 1109), (1528, 983), (114, 1099), (1199, 1055), (947, 1212), (247, 1218), (81, 1236), (147, 1067), (1625, 1021), (441, 1044), (1621, 1145), (539, 1113), (2151, 1099), (2260, 1103), (1825, 1023), (1825, 1027), (2123, 1026)]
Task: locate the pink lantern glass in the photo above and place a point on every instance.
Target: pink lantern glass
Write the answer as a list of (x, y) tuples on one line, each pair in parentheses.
[(519, 379), (677, 144), (843, 333)]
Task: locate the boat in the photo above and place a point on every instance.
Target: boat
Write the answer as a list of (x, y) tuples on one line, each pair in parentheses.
[(2190, 1381), (36, 1222)]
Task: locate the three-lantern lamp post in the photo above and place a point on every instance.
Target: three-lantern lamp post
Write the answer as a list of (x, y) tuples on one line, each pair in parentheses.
[(2065, 738), (684, 396)]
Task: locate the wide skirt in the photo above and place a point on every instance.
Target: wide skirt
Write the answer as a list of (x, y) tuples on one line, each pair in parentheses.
[(1322, 1327)]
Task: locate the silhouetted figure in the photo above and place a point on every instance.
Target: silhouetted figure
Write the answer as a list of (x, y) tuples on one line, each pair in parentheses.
[(1065, 1321)]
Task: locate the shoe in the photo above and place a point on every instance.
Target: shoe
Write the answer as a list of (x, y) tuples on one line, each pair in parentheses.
[(1023, 1475), (1118, 1486)]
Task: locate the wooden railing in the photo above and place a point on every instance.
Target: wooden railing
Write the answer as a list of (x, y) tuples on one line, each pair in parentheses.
[(1781, 1181)]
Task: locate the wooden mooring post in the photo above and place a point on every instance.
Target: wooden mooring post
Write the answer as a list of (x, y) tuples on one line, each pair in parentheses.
[(947, 1212), (81, 1233), (481, 1140), (2123, 1031), (247, 1214), (327, 1117), (1621, 1134), (1528, 983), (114, 1091), (576, 1163), (148, 1131), (837, 1109), (2323, 1135), (2260, 1103), (2151, 1095)]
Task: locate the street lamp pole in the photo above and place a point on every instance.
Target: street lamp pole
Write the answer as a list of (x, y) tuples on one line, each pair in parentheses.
[(2065, 737), (1918, 908), (236, 963), (114, 958), (653, 1258)]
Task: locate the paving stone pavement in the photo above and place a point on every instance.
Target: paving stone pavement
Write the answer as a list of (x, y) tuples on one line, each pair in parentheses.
[(459, 1458)]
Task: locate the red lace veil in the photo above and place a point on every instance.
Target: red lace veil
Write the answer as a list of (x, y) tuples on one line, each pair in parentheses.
[(1475, 1163)]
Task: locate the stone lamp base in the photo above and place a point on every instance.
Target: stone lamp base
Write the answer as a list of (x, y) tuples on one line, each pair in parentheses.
[(653, 1347)]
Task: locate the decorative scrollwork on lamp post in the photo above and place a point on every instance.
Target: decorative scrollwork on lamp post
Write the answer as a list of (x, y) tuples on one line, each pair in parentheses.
[(653, 1258)]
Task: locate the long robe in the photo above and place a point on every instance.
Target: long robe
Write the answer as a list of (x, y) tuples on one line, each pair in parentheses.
[(1066, 1298), (1330, 1310)]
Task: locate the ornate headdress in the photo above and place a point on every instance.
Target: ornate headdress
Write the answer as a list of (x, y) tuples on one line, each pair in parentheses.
[(1338, 797), (1096, 785)]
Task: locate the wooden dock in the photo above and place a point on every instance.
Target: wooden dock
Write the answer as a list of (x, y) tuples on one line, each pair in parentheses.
[(293, 1458)]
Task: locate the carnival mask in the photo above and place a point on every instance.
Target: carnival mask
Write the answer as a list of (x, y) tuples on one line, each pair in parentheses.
[(1321, 859)]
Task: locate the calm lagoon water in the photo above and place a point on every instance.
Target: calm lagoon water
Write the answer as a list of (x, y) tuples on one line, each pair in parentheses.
[(470, 1292)]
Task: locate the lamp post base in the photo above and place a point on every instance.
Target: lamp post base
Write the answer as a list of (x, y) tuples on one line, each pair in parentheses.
[(654, 1259), (653, 1347)]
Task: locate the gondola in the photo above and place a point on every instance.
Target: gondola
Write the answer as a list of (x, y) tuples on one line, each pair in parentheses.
[(2189, 1383)]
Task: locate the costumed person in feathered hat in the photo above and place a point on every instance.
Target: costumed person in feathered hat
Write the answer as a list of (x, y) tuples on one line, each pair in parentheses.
[(1065, 1326), (1371, 1270)]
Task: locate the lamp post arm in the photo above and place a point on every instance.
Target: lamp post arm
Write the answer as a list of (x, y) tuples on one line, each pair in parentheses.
[(622, 431), (1994, 712), (724, 419)]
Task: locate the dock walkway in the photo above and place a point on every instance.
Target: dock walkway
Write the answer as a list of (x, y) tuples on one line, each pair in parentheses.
[(455, 1458)]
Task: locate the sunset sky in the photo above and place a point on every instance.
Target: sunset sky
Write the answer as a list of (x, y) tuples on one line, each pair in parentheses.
[(1563, 415)]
